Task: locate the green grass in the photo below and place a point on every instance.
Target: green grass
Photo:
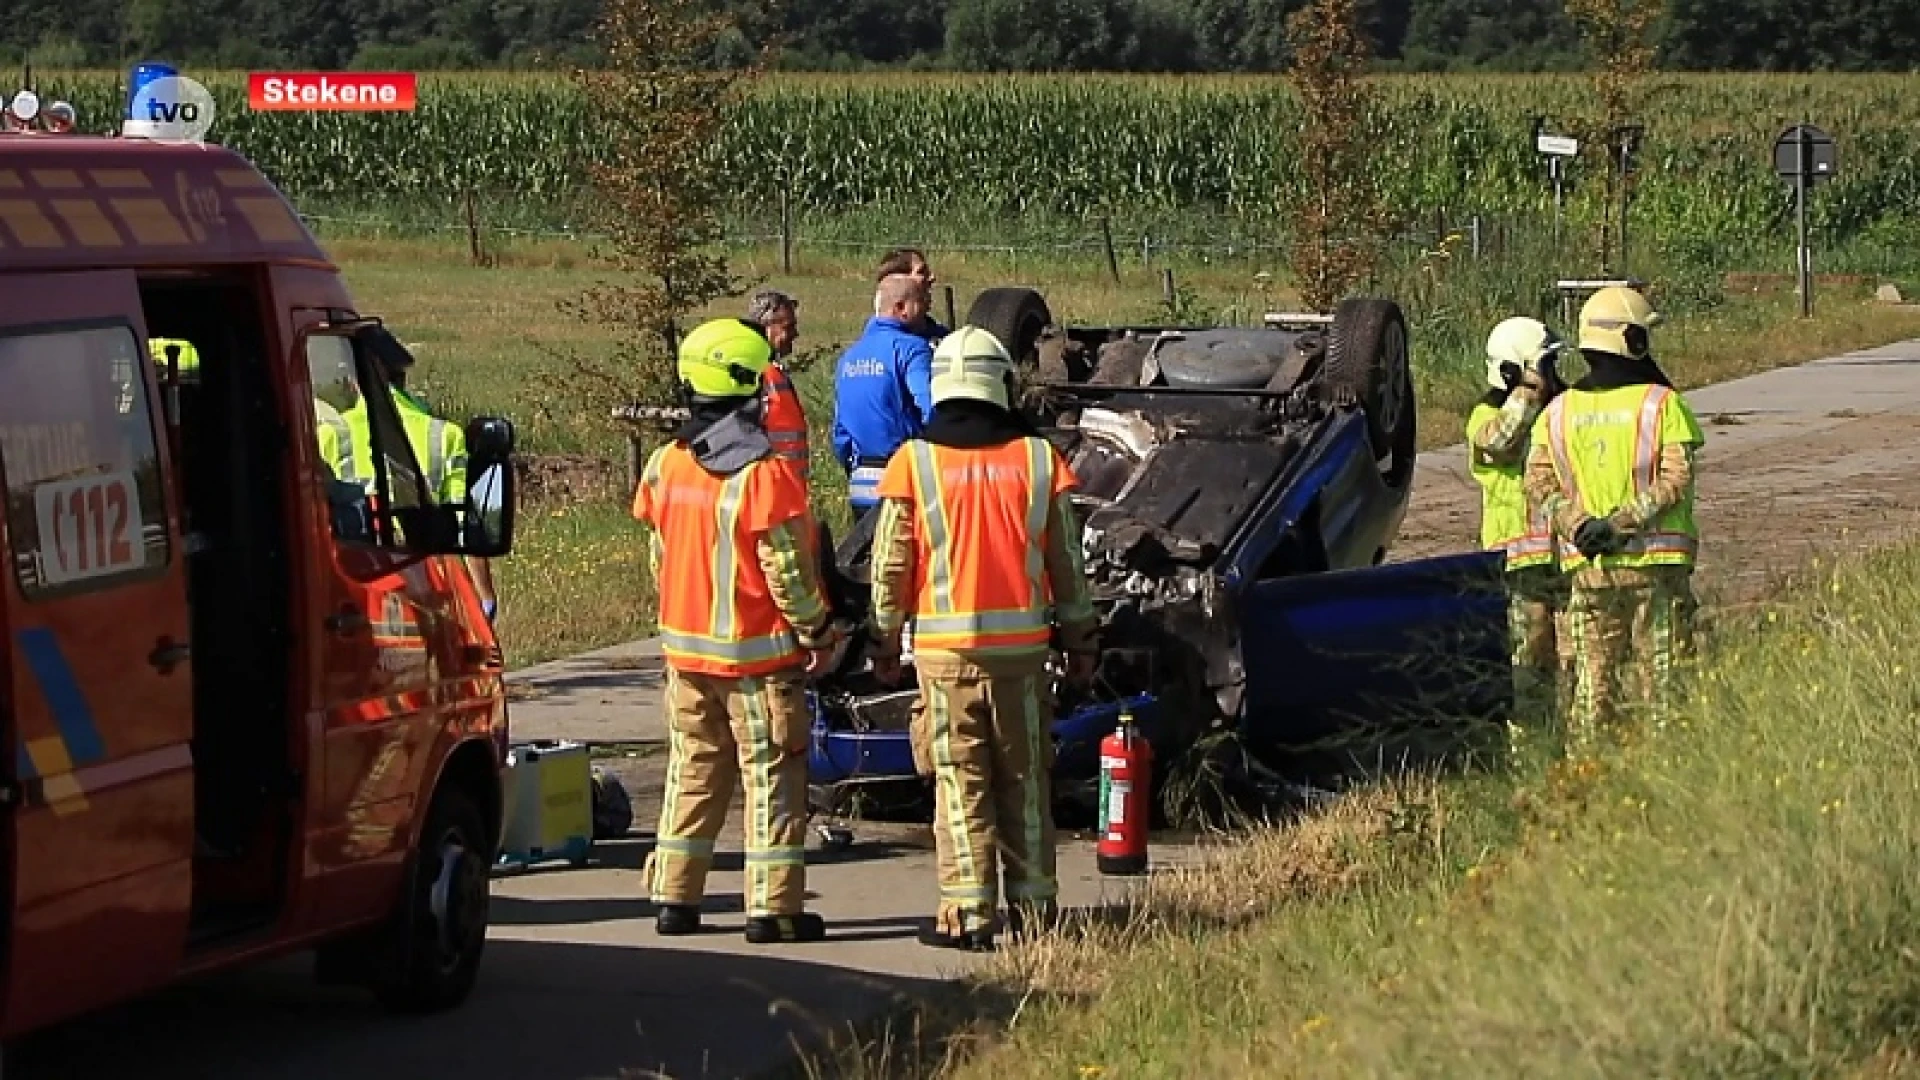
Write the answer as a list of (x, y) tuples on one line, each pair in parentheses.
[(577, 580), (1734, 897)]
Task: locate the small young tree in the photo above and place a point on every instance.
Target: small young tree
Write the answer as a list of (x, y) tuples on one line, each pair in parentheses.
[(659, 100), (1340, 219), (1621, 46)]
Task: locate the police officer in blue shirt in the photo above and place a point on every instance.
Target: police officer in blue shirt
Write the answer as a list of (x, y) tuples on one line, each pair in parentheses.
[(882, 388), (913, 263)]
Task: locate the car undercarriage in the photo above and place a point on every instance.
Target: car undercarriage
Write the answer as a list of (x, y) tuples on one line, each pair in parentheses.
[(1226, 477)]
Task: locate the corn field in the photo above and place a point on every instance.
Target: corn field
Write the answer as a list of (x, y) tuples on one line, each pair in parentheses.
[(1086, 147)]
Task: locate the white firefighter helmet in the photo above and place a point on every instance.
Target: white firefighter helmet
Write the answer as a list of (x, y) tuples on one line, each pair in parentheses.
[(1616, 320), (1515, 345), (971, 363)]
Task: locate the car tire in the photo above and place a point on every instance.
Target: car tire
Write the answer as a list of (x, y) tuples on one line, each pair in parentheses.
[(434, 956), (1367, 364), (1018, 317)]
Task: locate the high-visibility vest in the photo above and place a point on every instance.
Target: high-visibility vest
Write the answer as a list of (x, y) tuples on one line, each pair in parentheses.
[(1606, 448), (717, 615), (336, 442), (440, 448), (979, 579), (785, 420), (1505, 523)]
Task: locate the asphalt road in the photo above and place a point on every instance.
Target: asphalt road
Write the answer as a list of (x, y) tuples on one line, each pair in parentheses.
[(574, 985)]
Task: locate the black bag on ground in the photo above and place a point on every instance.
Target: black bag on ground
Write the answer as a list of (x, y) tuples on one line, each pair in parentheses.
[(612, 809)]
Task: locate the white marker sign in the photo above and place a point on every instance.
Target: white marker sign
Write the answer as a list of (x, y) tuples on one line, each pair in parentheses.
[(1557, 145)]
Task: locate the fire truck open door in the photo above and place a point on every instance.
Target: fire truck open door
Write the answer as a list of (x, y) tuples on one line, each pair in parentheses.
[(97, 768)]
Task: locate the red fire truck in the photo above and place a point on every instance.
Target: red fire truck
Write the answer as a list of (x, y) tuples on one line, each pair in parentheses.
[(251, 705)]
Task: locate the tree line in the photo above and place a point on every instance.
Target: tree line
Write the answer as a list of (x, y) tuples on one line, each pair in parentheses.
[(962, 35)]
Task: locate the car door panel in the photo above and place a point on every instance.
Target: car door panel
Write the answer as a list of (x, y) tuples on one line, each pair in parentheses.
[(100, 713), (1356, 663)]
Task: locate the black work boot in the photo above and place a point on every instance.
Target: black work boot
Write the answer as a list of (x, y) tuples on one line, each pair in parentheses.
[(966, 941), (786, 929), (676, 920)]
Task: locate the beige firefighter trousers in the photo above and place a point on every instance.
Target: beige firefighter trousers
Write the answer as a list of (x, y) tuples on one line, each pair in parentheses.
[(981, 733), (1542, 653), (1631, 632), (722, 730)]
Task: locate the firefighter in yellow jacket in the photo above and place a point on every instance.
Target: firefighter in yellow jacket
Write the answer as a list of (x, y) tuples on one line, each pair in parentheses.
[(976, 543), (1612, 466), (439, 447), (1521, 379)]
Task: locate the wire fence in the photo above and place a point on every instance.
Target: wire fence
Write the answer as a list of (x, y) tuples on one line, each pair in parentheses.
[(1472, 235), (1511, 253)]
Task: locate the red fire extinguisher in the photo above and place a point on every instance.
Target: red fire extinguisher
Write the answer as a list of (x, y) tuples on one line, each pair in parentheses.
[(1126, 779)]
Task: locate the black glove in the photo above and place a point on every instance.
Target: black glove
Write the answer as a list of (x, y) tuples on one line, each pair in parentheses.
[(1596, 537), (1547, 368)]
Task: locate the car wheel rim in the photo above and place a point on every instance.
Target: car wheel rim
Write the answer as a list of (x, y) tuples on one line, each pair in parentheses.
[(1393, 379), (456, 902), (1390, 395)]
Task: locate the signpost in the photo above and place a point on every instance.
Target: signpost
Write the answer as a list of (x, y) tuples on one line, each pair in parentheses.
[(1557, 149), (1803, 155), (1626, 147), (1571, 288)]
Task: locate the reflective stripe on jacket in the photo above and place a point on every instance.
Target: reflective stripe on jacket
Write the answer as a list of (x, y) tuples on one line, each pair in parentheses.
[(1605, 446), (1505, 522), (863, 485), (979, 575), (718, 615), (440, 448), (786, 421)]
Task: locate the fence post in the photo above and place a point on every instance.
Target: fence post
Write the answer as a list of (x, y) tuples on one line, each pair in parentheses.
[(1166, 285), (476, 252), (1113, 257), (948, 290), (786, 228), (636, 460), (1475, 227)]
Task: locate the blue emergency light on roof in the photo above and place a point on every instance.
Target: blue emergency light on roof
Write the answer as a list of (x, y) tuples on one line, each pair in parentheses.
[(144, 75)]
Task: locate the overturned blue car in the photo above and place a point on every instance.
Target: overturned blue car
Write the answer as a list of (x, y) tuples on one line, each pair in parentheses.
[(1240, 492)]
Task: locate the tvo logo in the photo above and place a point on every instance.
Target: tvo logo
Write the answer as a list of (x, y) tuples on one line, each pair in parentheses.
[(170, 109)]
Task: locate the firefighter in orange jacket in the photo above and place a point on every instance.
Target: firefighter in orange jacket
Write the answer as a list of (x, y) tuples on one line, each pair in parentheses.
[(778, 316), (976, 540), (742, 621)]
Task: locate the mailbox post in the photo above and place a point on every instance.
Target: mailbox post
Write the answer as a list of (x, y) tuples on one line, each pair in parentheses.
[(1803, 156)]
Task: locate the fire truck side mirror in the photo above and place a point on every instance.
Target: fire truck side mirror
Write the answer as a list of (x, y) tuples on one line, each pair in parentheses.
[(487, 530)]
